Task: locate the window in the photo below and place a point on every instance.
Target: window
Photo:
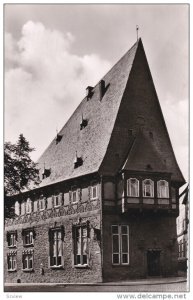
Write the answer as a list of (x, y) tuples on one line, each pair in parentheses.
[(163, 189), (148, 188), (11, 239), (28, 206), (56, 201), (17, 208), (80, 245), (27, 260), (133, 187), (94, 192), (120, 244), (74, 195), (28, 237), (56, 247), (11, 261), (42, 203)]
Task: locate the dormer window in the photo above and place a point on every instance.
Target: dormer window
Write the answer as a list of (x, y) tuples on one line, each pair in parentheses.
[(133, 187), (46, 172), (148, 188), (163, 189), (77, 161), (58, 138), (90, 92), (83, 123)]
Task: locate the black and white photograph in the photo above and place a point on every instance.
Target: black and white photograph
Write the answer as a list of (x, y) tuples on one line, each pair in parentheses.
[(96, 149)]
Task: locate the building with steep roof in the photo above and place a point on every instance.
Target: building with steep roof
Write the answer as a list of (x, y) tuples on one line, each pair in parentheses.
[(107, 203)]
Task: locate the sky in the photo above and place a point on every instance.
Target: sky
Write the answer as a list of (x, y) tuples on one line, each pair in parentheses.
[(53, 52)]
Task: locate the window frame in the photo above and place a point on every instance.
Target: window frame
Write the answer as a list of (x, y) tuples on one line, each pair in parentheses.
[(75, 229), (52, 239), (129, 187), (74, 191), (42, 203), (28, 234), (151, 188), (94, 186), (159, 191), (10, 257), (56, 196), (120, 252), (29, 256), (14, 234), (27, 206)]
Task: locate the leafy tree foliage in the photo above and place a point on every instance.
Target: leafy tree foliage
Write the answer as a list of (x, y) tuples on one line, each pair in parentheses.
[(19, 169)]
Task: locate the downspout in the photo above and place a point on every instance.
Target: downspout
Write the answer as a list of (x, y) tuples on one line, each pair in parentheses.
[(101, 225)]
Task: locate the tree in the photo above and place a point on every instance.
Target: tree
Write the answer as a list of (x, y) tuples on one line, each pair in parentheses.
[(19, 169)]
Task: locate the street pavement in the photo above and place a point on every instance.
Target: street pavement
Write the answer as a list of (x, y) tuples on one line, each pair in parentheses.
[(174, 285)]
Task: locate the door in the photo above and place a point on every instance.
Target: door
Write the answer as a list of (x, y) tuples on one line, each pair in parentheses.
[(153, 262)]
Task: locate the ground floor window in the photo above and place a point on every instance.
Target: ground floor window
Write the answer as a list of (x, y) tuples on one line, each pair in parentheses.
[(56, 247), (80, 245), (11, 261), (120, 244), (27, 261), (182, 248)]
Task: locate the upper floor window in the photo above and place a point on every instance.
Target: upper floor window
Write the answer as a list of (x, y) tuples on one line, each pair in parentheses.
[(28, 237), (58, 200), (148, 188), (120, 244), (28, 206), (42, 203), (74, 194), (11, 239), (163, 189), (80, 245), (133, 187), (56, 247), (11, 261), (94, 191), (17, 208)]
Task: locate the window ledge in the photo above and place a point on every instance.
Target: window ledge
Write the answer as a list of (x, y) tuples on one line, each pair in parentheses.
[(82, 266), (12, 270), (56, 206), (120, 265), (12, 247), (57, 267), (28, 270), (28, 245)]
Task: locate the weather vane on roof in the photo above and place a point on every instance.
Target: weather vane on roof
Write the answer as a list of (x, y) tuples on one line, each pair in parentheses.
[(137, 28)]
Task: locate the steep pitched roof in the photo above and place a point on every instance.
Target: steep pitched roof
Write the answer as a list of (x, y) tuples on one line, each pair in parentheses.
[(129, 102), (91, 142), (143, 156)]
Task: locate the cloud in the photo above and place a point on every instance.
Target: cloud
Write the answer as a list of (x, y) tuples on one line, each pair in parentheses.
[(44, 82)]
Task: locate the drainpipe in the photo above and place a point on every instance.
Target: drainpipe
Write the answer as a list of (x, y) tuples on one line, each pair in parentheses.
[(101, 216)]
